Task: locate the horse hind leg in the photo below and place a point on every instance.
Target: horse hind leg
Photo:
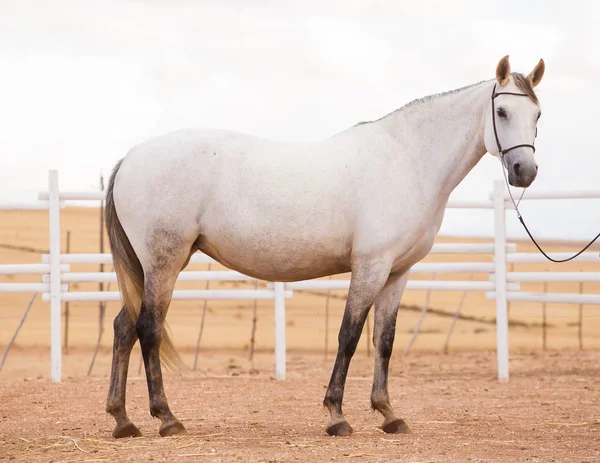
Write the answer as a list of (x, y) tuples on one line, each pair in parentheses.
[(124, 340), (168, 258), (125, 336), (386, 311)]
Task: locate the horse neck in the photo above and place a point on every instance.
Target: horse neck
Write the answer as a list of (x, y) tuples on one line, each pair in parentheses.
[(449, 130)]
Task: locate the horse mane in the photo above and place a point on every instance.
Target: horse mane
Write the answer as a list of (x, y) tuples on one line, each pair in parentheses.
[(419, 101), (519, 79)]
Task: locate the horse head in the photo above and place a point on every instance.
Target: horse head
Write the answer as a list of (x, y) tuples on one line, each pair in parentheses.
[(511, 122)]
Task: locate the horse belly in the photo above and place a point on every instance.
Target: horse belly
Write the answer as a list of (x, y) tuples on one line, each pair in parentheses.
[(276, 256)]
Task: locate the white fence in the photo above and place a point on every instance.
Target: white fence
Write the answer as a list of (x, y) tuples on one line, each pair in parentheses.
[(502, 286)]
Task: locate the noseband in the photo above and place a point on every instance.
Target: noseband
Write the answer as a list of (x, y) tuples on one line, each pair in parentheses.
[(502, 152)]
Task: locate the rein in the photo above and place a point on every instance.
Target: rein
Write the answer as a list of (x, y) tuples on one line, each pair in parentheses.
[(501, 153)]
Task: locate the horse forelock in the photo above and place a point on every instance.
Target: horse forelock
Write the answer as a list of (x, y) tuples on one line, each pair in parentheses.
[(525, 86)]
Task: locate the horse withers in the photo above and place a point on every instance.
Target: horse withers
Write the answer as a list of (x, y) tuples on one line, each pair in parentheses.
[(369, 200)]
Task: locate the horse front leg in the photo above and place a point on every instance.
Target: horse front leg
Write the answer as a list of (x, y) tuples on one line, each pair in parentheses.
[(384, 332), (368, 277)]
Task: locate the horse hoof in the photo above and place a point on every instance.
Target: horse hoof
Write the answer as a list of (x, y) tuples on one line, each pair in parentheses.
[(397, 426), (341, 428), (172, 428), (126, 430)]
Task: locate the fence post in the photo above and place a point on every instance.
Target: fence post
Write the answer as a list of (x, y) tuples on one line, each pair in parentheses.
[(55, 302), (500, 269), (279, 290)]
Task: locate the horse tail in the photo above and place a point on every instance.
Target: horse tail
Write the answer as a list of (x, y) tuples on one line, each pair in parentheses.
[(130, 273)]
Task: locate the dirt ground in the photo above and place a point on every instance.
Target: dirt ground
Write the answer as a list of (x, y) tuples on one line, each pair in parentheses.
[(549, 411)]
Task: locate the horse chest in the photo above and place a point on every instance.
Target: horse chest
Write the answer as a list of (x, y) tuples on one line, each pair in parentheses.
[(412, 252)]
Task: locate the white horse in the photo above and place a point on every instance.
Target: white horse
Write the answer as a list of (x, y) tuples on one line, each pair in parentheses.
[(369, 200)]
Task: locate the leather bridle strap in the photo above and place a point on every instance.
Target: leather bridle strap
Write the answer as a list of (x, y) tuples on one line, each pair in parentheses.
[(502, 152)]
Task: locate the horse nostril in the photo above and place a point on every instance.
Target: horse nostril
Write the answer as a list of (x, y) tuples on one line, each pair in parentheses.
[(516, 168), (536, 169)]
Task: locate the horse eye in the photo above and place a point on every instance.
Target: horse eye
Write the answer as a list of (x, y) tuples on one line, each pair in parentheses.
[(501, 112), (538, 116)]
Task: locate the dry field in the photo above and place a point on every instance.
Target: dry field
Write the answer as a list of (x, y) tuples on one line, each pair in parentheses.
[(457, 411), (234, 411)]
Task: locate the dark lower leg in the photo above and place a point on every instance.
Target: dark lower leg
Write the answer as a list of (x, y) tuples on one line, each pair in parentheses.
[(368, 278), (149, 330), (348, 338), (380, 399), (124, 339), (386, 311)]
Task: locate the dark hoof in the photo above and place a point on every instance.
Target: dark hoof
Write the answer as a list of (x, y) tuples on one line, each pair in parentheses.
[(339, 429), (397, 426), (171, 428), (126, 430)]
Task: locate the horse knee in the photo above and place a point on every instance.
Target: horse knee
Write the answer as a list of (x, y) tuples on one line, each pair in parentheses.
[(385, 349), (349, 335), (347, 344)]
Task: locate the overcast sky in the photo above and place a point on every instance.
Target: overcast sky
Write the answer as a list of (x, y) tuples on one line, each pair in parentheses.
[(82, 81)]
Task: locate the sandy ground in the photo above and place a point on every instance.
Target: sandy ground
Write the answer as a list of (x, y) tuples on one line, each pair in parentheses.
[(548, 412)]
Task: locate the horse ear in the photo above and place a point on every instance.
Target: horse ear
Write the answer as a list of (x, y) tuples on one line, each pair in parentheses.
[(535, 76), (503, 71)]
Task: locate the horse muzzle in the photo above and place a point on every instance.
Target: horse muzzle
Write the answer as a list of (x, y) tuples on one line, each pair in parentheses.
[(522, 174)]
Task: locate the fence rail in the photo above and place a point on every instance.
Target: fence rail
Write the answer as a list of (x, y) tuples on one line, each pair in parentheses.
[(537, 258), (178, 295), (28, 269), (502, 286), (27, 287), (27, 205), (540, 277), (567, 298), (412, 285)]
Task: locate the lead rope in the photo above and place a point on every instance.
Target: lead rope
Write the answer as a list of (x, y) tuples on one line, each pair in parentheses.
[(516, 204), (520, 217)]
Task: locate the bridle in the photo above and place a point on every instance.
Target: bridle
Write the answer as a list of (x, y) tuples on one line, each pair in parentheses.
[(501, 154)]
